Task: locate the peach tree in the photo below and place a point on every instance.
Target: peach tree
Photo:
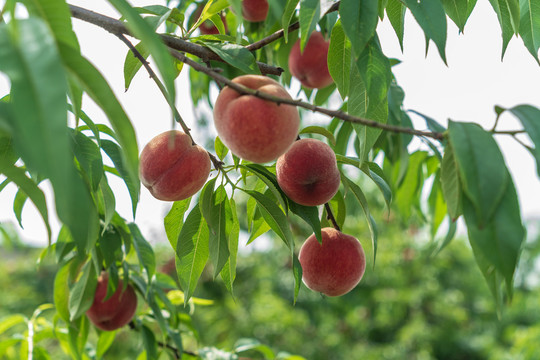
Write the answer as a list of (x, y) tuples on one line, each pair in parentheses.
[(107, 269)]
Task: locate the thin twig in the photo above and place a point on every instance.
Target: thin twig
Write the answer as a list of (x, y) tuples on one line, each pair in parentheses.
[(521, 142), (330, 216), (278, 100), (280, 33), (218, 164), (116, 26), (159, 84), (508, 132)]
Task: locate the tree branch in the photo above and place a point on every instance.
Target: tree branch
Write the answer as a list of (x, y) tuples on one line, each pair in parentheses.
[(118, 27), (280, 33), (278, 100)]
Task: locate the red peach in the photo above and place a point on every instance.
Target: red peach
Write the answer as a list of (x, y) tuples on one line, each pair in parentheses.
[(117, 310), (255, 10), (308, 172), (311, 66), (334, 267), (172, 168), (252, 128)]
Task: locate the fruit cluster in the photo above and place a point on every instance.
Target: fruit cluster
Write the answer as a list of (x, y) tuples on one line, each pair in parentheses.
[(174, 168)]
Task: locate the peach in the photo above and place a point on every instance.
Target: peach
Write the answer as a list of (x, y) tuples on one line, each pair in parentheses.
[(310, 67), (117, 310), (255, 10), (172, 167), (207, 27), (252, 128), (308, 172), (334, 267)]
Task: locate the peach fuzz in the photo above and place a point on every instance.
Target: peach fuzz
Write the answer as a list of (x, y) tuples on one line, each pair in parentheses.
[(172, 168), (334, 267), (252, 128), (255, 10), (310, 67), (308, 172), (117, 310)]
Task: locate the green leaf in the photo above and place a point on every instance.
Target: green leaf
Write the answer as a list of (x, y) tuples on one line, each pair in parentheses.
[(106, 201), (310, 214), (321, 131), (376, 174), (310, 13), (232, 228), (29, 187), (459, 11), (270, 181), (143, 31), (174, 220), (58, 17), (192, 251), (149, 341), (431, 17), (369, 83), (115, 154), (498, 241), (339, 59), (144, 250), (81, 295), (105, 340), (274, 217), (407, 194), (89, 157), (221, 149), (529, 117), (506, 13), (61, 292), (8, 322), (213, 208), (396, 15), (253, 344), (39, 88), (288, 13), (132, 64), (529, 27), (297, 273), (481, 167), (359, 195), (97, 88), (451, 186), (235, 55), (437, 205), (359, 19)]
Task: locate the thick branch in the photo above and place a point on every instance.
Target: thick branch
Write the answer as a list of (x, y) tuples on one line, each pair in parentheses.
[(332, 113), (118, 27)]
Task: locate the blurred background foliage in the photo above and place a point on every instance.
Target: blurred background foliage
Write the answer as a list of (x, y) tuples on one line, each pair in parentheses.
[(411, 305)]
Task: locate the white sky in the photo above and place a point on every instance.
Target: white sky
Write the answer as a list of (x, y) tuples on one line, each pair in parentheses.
[(474, 81)]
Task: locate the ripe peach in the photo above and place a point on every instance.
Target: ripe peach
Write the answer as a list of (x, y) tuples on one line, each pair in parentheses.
[(308, 172), (311, 66), (117, 310), (172, 168), (252, 128), (254, 10), (207, 27), (334, 267)]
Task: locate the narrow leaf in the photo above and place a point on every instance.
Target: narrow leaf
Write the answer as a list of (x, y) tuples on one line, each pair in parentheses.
[(481, 167), (192, 251)]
